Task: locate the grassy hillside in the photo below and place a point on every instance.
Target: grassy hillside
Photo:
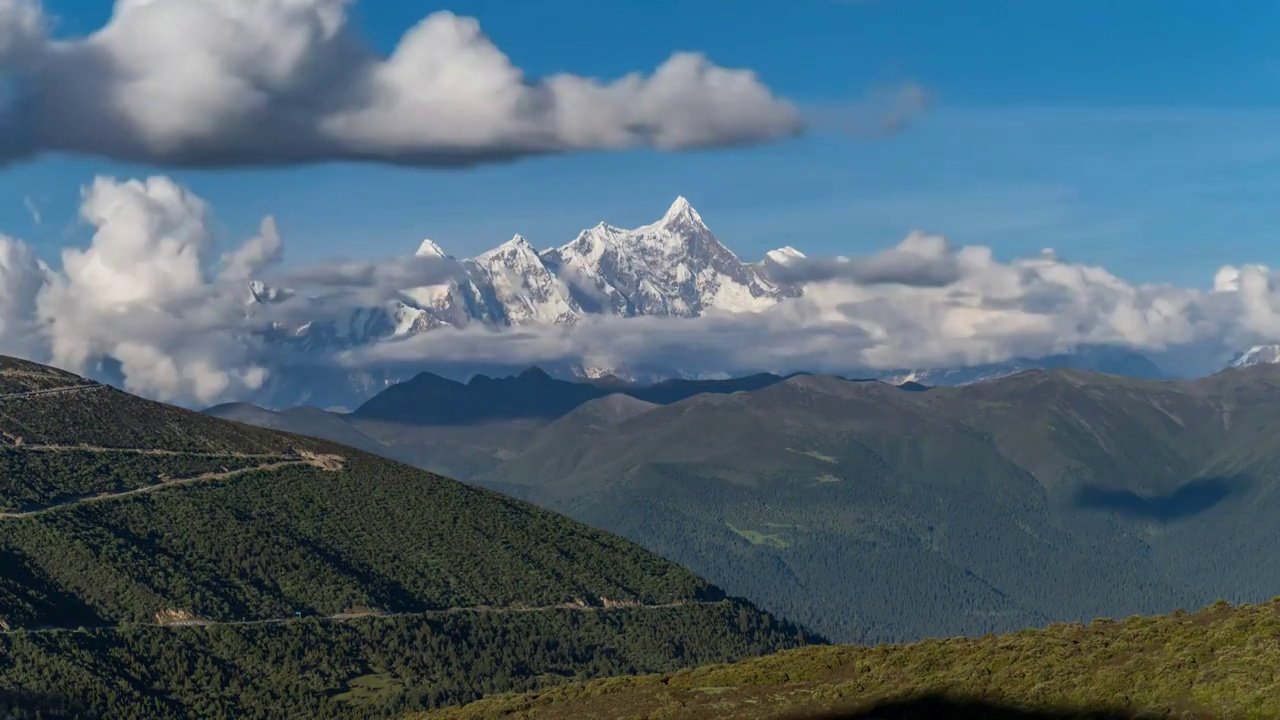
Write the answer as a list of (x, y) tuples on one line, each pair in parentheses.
[(161, 563), (1217, 663)]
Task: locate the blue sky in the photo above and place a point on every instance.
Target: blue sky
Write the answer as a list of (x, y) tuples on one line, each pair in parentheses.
[(1137, 135)]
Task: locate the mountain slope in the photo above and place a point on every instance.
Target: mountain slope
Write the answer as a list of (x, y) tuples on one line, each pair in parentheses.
[(184, 544), (813, 495), (308, 421), (1216, 663), (876, 513)]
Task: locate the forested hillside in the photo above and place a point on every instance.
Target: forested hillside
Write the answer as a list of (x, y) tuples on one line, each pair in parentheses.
[(874, 513), (164, 564)]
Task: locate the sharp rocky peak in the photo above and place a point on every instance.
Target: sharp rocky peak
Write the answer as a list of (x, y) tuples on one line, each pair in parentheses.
[(428, 248), (681, 216), (518, 244), (517, 241), (785, 255)]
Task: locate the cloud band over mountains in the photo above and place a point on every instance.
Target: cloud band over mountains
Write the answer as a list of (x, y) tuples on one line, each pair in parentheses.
[(269, 82), (153, 292)]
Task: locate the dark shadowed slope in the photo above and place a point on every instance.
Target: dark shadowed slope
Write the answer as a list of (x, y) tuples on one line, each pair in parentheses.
[(223, 570), (1217, 663)]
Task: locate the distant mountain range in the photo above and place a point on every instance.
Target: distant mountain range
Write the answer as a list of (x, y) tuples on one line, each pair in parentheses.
[(675, 267), (873, 512)]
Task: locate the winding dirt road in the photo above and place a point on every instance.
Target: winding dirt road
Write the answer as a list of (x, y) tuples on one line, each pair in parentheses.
[(348, 617), (106, 497)]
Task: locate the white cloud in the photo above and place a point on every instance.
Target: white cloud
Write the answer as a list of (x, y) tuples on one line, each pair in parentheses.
[(141, 293), (923, 303), (152, 291), (242, 82), (253, 257), (21, 278)]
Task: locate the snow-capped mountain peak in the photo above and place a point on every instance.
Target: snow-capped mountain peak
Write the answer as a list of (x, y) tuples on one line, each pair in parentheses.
[(674, 267), (681, 230), (1258, 355), (430, 249), (785, 255), (517, 247), (681, 213), (519, 287)]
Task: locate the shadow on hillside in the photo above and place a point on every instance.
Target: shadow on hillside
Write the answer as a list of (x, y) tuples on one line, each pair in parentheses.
[(938, 707), (1191, 499)]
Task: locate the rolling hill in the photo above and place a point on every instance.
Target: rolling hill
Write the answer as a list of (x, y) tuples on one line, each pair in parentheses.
[(161, 563)]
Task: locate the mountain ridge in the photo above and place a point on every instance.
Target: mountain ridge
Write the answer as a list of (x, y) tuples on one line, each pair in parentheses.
[(674, 267)]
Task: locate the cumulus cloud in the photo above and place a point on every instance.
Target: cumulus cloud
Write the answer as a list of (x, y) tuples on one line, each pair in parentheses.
[(242, 82), (153, 293), (253, 257), (141, 293), (21, 278)]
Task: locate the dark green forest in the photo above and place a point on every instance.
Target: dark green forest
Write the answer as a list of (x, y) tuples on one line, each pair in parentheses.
[(305, 579), (34, 479), (875, 514), (365, 667)]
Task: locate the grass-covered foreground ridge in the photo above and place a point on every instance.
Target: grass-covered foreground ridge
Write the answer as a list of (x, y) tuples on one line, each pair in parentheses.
[(1220, 662), (158, 563)]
